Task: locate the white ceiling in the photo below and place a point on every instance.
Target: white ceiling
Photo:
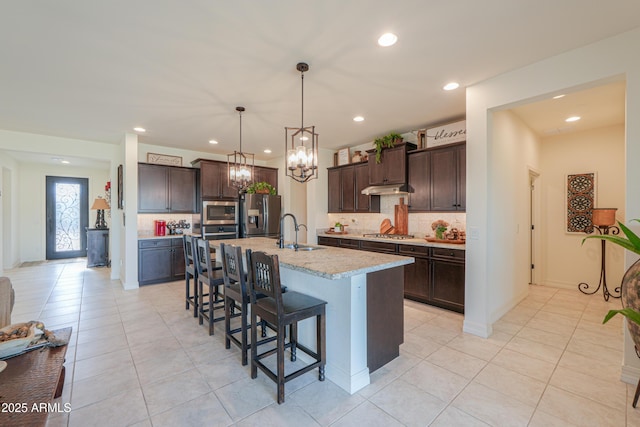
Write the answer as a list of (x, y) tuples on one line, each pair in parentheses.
[(94, 70)]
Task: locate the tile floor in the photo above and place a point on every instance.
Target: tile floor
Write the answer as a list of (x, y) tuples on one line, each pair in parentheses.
[(139, 358)]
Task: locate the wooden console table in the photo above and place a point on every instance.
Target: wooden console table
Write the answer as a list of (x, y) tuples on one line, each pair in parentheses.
[(29, 384)]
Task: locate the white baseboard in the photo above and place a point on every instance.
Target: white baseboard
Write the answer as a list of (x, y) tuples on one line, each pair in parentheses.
[(483, 330), (630, 374)]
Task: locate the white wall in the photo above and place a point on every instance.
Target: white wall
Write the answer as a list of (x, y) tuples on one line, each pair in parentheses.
[(601, 62), (9, 252), (565, 261), (32, 206)]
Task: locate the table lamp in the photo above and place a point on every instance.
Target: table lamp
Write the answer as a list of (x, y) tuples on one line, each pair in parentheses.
[(100, 205)]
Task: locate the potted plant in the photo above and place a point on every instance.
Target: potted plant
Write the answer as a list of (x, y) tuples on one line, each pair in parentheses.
[(387, 141), (261, 187)]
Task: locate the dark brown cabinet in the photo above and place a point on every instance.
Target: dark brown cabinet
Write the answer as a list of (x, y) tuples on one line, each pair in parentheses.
[(164, 189), (447, 278), (345, 189), (437, 179), (214, 183), (448, 178), (160, 260), (265, 174), (416, 275), (392, 168)]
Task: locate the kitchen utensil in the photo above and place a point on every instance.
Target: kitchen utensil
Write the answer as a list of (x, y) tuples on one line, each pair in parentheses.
[(402, 217), (386, 227)]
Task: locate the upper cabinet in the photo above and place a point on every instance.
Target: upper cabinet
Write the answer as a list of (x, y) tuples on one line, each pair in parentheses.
[(392, 168), (437, 179), (214, 183), (165, 189), (345, 189)]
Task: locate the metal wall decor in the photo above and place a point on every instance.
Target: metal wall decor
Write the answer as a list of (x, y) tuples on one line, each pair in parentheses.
[(301, 144), (240, 164), (580, 202)]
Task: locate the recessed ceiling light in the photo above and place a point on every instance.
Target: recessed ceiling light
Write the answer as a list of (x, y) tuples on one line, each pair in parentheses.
[(559, 96), (451, 86), (267, 151), (573, 119), (387, 39), (139, 129), (213, 141), (358, 119), (66, 162)]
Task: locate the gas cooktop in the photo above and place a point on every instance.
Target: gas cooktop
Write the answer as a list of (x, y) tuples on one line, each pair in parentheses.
[(389, 236)]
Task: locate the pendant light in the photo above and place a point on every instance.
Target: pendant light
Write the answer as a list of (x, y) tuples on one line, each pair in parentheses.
[(239, 164), (301, 144)]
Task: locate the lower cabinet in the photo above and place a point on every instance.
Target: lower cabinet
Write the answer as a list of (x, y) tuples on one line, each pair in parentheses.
[(160, 260), (97, 247), (436, 277)]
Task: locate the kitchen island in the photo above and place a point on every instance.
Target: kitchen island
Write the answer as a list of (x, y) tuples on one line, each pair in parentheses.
[(365, 307)]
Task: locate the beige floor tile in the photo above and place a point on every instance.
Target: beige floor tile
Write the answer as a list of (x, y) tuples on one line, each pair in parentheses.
[(123, 409), (598, 337), (475, 346), (588, 366), (543, 337), (607, 392), (526, 389), (104, 386), (174, 390), (367, 414), (534, 349), (246, 396), (418, 345), (579, 410), (99, 322), (103, 346), (493, 407), (285, 415), (542, 419), (108, 362), (523, 364), (389, 372), (325, 401), (86, 336), (408, 404), (435, 333), (456, 361), (165, 364), (551, 326), (452, 416), (441, 383), (506, 327)]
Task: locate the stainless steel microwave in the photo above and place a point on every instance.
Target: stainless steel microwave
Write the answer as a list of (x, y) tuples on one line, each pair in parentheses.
[(219, 212)]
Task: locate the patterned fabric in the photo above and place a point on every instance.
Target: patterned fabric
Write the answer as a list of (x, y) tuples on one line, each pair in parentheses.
[(631, 298), (580, 202)]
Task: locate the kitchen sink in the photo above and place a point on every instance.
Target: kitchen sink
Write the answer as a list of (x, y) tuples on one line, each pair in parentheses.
[(303, 247)]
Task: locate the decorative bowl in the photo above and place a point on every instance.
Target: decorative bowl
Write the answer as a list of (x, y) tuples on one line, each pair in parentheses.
[(17, 345)]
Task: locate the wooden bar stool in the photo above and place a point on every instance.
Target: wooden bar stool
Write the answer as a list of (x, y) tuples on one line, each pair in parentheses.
[(209, 275), (236, 297), (282, 310), (190, 271)]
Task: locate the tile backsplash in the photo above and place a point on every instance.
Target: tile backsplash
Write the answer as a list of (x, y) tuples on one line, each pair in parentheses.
[(419, 223), (147, 226)]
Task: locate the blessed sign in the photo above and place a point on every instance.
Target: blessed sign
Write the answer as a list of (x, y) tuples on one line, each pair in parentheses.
[(447, 134)]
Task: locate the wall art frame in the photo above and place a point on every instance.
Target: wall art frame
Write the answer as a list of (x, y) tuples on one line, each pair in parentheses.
[(164, 159), (580, 193), (120, 187)]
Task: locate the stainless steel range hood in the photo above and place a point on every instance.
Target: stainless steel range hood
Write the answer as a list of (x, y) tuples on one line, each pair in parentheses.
[(375, 190)]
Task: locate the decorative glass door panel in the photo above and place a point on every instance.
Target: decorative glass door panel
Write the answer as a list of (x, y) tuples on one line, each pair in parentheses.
[(67, 217)]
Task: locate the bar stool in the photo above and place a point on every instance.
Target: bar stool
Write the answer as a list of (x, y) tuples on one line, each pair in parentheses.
[(282, 310), (190, 271), (209, 275), (236, 296)]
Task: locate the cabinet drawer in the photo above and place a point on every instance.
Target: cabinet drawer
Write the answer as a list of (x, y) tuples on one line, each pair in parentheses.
[(378, 247), (154, 243), (328, 241), (455, 254), (414, 250), (350, 243)]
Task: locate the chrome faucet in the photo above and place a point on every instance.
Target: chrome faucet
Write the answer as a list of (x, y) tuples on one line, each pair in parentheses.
[(295, 224)]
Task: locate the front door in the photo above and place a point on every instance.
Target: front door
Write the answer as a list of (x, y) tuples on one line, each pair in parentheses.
[(67, 217)]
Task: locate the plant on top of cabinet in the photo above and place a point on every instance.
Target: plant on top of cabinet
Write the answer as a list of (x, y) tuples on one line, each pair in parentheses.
[(261, 188), (387, 141)]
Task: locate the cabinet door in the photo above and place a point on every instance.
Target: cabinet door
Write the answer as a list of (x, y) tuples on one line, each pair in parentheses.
[(462, 178), (447, 284), (328, 241), (182, 190), (419, 182), (226, 191), (209, 180), (348, 193), (416, 280), (376, 170), (335, 192), (177, 255), (444, 180), (154, 265), (364, 203), (269, 175), (394, 164), (153, 188)]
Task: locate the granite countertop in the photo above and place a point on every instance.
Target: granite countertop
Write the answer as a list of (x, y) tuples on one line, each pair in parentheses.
[(150, 235), (329, 262), (415, 241)]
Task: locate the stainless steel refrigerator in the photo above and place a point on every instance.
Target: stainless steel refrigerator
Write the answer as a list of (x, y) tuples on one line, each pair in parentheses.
[(260, 215)]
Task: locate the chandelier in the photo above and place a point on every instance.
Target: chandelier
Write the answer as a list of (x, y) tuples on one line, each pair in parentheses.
[(301, 144), (239, 164)]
